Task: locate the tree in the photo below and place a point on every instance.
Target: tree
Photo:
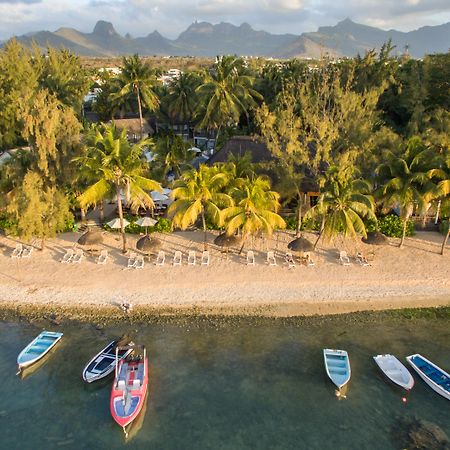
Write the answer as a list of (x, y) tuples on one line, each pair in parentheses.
[(199, 193), (405, 182), (226, 93), (137, 79), (343, 203), (38, 210), (119, 166), (255, 208)]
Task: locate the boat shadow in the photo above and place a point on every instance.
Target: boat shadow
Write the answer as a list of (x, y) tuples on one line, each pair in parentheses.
[(28, 371), (136, 425)]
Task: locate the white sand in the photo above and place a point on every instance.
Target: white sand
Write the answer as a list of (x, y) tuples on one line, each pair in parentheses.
[(414, 276)]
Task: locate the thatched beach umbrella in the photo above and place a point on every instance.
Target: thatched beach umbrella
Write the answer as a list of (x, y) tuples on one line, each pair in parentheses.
[(148, 244), (224, 240), (91, 238), (375, 238), (300, 244)]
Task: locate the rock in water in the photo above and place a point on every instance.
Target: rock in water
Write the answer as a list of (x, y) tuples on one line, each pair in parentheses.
[(415, 434)]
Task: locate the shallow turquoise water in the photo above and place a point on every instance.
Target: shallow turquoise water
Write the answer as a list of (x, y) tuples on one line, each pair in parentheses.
[(241, 386)]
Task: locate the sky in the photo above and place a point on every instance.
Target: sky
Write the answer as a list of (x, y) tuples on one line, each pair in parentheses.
[(170, 17)]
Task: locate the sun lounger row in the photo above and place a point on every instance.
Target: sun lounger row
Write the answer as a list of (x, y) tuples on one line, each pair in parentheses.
[(21, 252), (72, 256), (178, 258), (345, 260), (289, 259)]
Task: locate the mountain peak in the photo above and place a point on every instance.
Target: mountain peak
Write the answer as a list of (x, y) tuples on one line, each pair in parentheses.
[(104, 29)]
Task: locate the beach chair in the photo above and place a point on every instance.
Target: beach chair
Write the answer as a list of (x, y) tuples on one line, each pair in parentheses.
[(68, 256), (343, 258), (361, 259), (26, 252), (177, 258), (307, 260), (191, 258), (103, 257), (139, 262), (78, 256), (289, 260), (17, 252), (271, 259), (205, 258), (250, 258), (131, 260), (161, 258)]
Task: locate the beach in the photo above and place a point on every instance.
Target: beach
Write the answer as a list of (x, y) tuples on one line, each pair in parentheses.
[(414, 276)]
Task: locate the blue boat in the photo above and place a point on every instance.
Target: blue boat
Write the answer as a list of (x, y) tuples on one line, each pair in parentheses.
[(37, 348), (337, 366), (434, 376)]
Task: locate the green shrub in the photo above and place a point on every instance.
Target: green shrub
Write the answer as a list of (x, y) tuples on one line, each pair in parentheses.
[(7, 224), (70, 225), (443, 226), (291, 222), (310, 224), (162, 226), (392, 226)]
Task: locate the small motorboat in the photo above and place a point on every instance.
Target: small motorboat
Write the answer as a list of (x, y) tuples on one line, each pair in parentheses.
[(434, 376), (103, 363), (129, 388), (395, 371), (37, 348), (337, 366)]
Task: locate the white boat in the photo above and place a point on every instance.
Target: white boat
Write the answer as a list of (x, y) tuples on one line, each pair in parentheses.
[(337, 365), (434, 376), (37, 348), (103, 363), (395, 371)]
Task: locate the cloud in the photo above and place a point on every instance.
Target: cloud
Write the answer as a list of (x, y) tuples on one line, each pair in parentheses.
[(170, 17)]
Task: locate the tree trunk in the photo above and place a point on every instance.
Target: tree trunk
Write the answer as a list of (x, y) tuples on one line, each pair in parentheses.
[(205, 246), (322, 226), (42, 243), (244, 239), (83, 214), (122, 228), (405, 223), (299, 215), (445, 239), (101, 208), (140, 112)]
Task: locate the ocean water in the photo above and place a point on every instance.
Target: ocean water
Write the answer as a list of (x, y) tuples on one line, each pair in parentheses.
[(242, 385)]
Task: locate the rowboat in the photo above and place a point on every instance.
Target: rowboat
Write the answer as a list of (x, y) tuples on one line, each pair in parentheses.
[(37, 348), (395, 371), (129, 388), (434, 376), (337, 366), (103, 363)]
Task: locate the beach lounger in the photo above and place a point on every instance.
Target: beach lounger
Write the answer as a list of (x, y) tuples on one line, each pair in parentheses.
[(26, 252), (68, 256), (161, 258), (103, 257), (362, 259), (343, 258), (289, 260), (250, 258), (205, 258), (139, 262), (131, 260), (307, 260), (17, 252), (77, 257), (177, 258), (271, 259), (191, 258)]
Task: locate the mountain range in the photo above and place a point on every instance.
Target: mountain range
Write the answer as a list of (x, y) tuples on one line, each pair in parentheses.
[(346, 38)]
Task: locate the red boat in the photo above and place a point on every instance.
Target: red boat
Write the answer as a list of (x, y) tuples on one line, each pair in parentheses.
[(129, 388)]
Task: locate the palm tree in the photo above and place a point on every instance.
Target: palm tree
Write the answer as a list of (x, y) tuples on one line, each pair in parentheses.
[(407, 181), (199, 193), (117, 166), (342, 205), (255, 208), (226, 93), (137, 79)]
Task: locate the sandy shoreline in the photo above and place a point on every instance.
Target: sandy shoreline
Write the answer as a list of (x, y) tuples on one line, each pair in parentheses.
[(415, 276)]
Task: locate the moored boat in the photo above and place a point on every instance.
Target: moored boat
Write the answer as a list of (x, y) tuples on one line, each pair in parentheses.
[(395, 371), (337, 365), (103, 363), (129, 388), (38, 348), (434, 376)]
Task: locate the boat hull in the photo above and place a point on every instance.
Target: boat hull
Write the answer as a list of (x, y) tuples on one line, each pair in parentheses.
[(127, 395), (395, 371), (436, 378), (337, 365), (38, 348)]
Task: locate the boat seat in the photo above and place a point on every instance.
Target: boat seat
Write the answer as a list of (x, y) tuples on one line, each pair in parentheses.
[(123, 372), (121, 385), (140, 373), (136, 383)]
